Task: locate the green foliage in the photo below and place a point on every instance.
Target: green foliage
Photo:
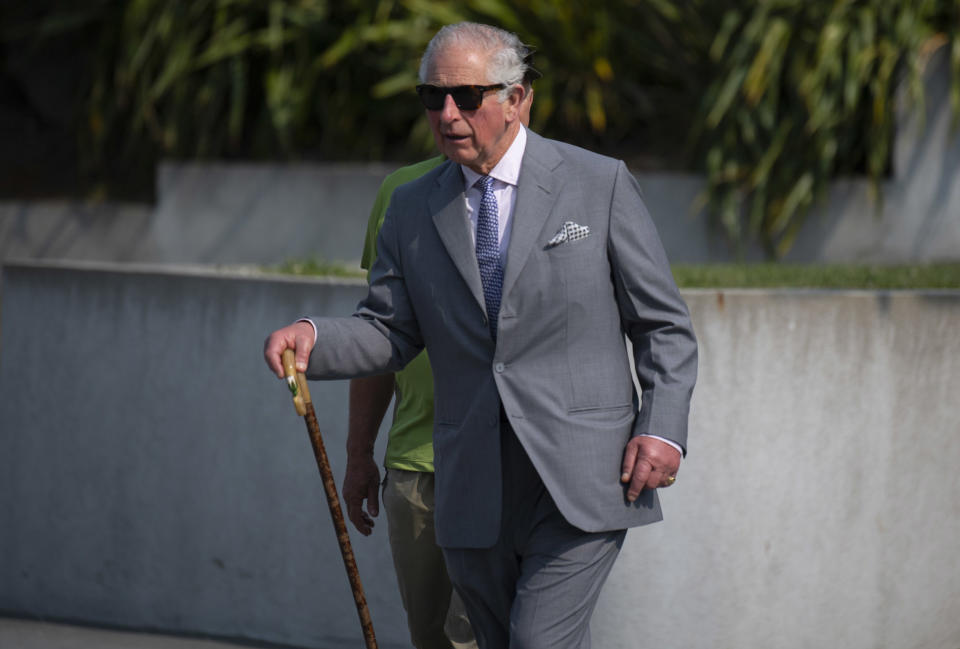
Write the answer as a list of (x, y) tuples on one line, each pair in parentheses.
[(805, 92), (232, 78), (771, 99)]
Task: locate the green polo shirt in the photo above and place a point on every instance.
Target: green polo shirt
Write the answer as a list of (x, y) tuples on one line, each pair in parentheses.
[(410, 446)]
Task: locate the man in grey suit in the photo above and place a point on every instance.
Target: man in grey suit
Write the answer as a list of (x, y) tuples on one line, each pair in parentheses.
[(520, 264)]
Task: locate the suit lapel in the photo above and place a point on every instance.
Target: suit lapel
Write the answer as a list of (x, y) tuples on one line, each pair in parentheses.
[(537, 191), (448, 207)]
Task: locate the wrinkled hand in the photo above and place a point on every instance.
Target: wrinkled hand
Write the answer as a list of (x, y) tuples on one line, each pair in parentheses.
[(362, 482), (298, 337), (648, 463)]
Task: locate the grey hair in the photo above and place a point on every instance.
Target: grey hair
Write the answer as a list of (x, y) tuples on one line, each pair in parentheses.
[(507, 59)]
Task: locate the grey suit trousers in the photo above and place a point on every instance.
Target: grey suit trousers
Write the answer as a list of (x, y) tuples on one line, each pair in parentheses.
[(538, 585)]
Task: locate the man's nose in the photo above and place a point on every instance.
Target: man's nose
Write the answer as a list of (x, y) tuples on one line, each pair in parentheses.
[(449, 112)]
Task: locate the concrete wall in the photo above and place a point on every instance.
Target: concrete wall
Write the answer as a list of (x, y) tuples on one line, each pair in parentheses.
[(263, 213), (60, 229), (819, 505), (154, 475), (216, 214)]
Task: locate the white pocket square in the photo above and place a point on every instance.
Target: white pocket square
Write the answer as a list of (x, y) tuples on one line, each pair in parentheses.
[(569, 232)]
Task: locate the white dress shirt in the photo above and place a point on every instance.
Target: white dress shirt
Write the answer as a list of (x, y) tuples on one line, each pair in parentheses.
[(505, 175)]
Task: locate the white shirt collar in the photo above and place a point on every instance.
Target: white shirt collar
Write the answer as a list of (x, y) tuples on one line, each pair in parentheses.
[(507, 169)]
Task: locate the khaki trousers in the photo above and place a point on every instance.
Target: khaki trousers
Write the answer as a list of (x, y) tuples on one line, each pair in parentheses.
[(435, 614)]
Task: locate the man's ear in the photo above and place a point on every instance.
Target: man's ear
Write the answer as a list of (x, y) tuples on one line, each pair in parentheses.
[(513, 102)]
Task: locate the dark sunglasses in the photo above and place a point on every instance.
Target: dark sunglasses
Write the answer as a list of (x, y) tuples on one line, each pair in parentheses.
[(465, 97)]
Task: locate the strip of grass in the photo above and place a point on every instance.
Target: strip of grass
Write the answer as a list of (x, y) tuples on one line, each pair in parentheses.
[(319, 268), (931, 276)]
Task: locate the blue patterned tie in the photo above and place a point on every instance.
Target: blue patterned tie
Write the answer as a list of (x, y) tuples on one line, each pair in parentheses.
[(488, 251)]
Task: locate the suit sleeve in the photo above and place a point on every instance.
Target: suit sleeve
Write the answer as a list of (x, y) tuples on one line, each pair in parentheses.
[(383, 334), (653, 315)]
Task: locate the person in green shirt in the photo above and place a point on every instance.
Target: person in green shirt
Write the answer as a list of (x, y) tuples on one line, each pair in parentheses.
[(435, 615)]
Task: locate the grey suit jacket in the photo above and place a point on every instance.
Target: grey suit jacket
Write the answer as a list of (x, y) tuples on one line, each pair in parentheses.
[(559, 366)]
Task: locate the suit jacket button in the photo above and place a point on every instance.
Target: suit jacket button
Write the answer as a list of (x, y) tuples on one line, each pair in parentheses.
[(498, 367)]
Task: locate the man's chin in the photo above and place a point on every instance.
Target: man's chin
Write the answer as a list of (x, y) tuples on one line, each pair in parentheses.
[(458, 148), (459, 156)]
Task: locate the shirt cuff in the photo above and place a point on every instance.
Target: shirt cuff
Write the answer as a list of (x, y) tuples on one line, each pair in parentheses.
[(312, 324)]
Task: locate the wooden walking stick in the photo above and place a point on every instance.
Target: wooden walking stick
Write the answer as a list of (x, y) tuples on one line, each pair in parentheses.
[(297, 383)]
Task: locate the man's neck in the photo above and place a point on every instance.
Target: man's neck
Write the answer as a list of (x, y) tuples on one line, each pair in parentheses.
[(503, 145), (507, 168)]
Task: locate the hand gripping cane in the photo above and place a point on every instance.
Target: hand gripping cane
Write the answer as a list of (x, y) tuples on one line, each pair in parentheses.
[(297, 383)]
